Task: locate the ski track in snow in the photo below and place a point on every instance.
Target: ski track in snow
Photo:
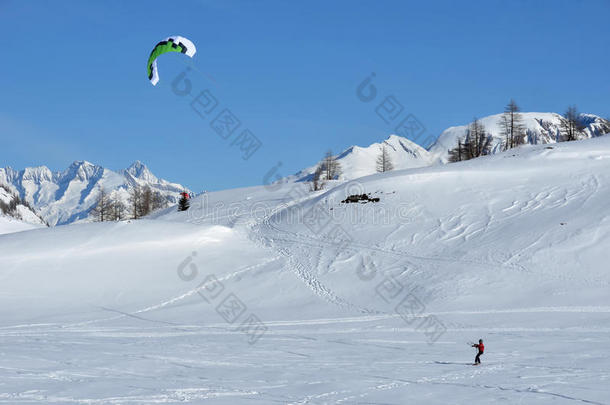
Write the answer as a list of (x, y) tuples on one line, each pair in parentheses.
[(173, 300), (377, 382)]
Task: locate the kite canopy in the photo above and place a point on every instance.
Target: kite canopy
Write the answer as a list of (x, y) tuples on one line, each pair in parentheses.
[(171, 44)]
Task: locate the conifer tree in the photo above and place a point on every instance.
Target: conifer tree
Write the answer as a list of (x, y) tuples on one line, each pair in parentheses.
[(184, 203)]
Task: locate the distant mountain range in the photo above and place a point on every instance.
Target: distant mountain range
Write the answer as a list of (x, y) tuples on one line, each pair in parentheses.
[(70, 195), (540, 128)]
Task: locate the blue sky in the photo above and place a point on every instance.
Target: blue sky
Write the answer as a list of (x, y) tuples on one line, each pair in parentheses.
[(74, 85)]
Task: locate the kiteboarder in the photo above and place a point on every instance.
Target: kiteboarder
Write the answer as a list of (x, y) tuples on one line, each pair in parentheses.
[(481, 349)]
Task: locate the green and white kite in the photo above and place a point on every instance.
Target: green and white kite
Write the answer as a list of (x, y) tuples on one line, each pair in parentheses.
[(171, 44)]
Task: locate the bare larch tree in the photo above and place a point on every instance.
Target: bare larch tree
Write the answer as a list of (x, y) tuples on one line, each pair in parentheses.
[(118, 209), (146, 201), (103, 205), (458, 153), (159, 201), (384, 162), (511, 126), (477, 142), (135, 201), (571, 128), (317, 183), (331, 168)]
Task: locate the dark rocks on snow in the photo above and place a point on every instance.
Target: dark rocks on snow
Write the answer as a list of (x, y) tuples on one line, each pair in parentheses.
[(363, 198)]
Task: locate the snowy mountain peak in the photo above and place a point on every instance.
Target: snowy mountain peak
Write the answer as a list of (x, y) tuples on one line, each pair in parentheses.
[(82, 170), (39, 174), (138, 170), (357, 161), (70, 195), (398, 142), (78, 163), (137, 167)]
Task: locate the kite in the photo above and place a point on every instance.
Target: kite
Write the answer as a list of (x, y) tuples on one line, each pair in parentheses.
[(171, 44)]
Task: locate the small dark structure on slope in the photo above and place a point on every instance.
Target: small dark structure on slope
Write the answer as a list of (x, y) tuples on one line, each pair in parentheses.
[(360, 198)]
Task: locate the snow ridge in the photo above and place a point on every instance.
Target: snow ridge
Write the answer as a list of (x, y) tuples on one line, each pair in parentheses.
[(357, 161), (540, 128)]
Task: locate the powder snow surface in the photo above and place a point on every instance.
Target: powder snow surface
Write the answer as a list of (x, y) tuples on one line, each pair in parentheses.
[(362, 303)]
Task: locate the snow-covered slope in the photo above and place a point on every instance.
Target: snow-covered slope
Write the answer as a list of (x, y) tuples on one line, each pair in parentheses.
[(541, 128), (16, 216), (359, 161), (68, 196), (10, 224), (353, 303)]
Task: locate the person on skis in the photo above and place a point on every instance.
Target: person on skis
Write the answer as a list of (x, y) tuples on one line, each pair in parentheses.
[(481, 348)]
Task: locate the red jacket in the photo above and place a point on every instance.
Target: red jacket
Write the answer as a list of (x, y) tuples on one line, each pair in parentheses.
[(481, 347)]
